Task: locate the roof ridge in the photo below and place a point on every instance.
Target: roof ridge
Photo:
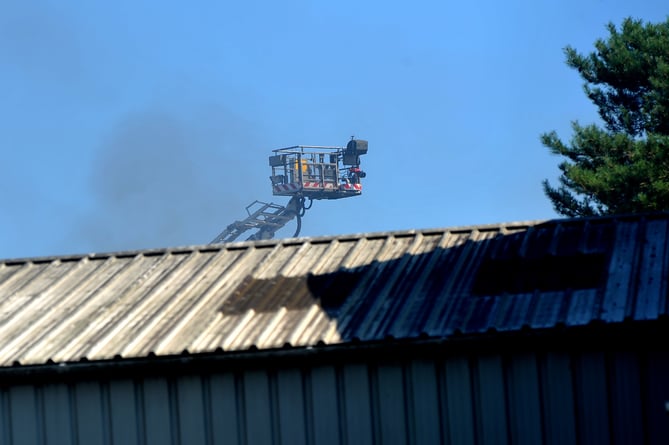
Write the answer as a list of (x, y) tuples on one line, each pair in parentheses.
[(264, 243), (512, 225)]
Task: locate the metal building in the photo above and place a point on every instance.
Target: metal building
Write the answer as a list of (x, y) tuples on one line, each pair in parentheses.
[(540, 332)]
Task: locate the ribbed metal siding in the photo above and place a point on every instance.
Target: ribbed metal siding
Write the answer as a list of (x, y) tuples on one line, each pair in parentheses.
[(491, 412), (558, 399), (655, 394), (487, 399)]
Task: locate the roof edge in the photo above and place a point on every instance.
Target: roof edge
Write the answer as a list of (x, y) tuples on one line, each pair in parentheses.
[(519, 225), (512, 226), (630, 335)]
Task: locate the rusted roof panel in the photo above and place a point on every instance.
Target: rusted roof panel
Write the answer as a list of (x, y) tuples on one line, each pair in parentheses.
[(333, 290)]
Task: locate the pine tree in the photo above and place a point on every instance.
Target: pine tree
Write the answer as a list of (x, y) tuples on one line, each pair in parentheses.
[(624, 166)]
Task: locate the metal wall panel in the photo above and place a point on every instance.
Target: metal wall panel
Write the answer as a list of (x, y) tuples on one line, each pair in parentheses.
[(592, 398), (191, 410), (458, 406), (656, 394), (324, 406), (523, 399), (158, 422), (257, 408), (393, 427), (59, 421), (5, 417), (423, 411), (123, 412), (225, 406), (92, 420), (626, 398), (25, 415), (558, 398), (291, 407), (491, 407), (357, 404), (493, 398)]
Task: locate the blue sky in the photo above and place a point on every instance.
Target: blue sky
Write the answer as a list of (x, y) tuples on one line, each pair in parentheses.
[(141, 124)]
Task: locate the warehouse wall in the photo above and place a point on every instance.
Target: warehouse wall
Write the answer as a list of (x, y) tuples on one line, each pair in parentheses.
[(489, 399)]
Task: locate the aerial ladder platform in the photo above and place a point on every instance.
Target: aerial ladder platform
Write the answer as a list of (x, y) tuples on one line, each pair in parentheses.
[(304, 173)]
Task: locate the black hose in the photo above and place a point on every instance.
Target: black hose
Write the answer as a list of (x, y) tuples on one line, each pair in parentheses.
[(311, 202), (302, 209), (299, 225)]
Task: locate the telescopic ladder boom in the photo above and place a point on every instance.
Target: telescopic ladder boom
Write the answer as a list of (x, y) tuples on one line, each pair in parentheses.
[(265, 219)]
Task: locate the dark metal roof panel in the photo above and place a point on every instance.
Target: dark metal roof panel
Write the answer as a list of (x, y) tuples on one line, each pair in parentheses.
[(517, 312), (620, 273), (652, 290), (583, 307), (304, 292)]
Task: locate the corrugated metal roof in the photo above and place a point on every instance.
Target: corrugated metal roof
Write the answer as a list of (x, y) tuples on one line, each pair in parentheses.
[(330, 290)]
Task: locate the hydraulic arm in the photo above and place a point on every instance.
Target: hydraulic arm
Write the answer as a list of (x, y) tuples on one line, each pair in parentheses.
[(265, 219)]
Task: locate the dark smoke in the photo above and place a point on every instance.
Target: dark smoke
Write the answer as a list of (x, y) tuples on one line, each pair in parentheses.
[(172, 175), (163, 179), (42, 43)]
